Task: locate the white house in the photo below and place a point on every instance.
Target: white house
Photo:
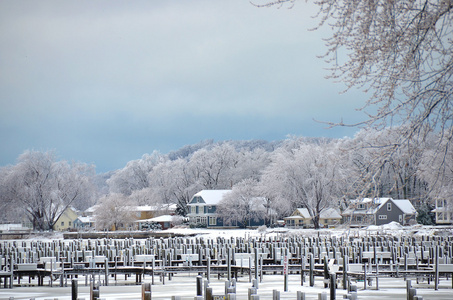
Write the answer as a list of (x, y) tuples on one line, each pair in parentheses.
[(443, 211)]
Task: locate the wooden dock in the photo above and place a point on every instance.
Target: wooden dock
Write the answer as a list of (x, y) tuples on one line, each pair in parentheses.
[(348, 259)]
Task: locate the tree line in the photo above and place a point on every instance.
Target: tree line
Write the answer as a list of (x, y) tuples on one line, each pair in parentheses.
[(315, 173)]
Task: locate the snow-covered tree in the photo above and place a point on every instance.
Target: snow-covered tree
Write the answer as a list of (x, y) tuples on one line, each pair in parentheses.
[(242, 205), (213, 168), (383, 172), (135, 175), (175, 182), (401, 54), (313, 176), (113, 212), (44, 187), (437, 170)]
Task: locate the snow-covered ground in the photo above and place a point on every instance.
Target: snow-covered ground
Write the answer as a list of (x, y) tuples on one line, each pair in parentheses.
[(184, 285)]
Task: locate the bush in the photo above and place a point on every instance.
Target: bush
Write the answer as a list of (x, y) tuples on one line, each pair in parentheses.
[(425, 216)]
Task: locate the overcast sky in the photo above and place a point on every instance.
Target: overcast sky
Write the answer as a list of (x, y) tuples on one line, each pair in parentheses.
[(105, 82)]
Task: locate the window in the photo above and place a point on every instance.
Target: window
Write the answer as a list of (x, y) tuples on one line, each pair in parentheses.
[(212, 221), (361, 206), (69, 223), (192, 209), (382, 217), (400, 218), (359, 218), (440, 216), (62, 223), (441, 203), (389, 206)]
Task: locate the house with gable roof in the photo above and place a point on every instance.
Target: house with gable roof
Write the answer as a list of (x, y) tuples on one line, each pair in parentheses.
[(301, 218), (379, 211), (66, 220), (203, 206), (203, 211)]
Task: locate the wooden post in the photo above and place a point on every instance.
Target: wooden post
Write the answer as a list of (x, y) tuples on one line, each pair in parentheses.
[(408, 287), (250, 269), (332, 286), (302, 264), (146, 291), (94, 291), (345, 271), (209, 293), (285, 271), (152, 270), (300, 295), (251, 291), (326, 272), (199, 286), (364, 276), (256, 264), (275, 295), (377, 274), (229, 263), (436, 268), (208, 267), (74, 291), (312, 266), (106, 266)]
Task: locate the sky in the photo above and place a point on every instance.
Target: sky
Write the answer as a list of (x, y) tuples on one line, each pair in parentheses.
[(104, 82)]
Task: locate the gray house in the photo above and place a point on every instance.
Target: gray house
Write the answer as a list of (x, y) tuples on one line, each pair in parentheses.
[(203, 206), (203, 211), (379, 211)]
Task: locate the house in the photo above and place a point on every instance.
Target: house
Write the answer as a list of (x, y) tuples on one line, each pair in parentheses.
[(329, 217), (379, 211), (202, 211), (143, 212), (301, 218), (165, 222), (443, 212), (66, 220), (84, 223), (202, 208)]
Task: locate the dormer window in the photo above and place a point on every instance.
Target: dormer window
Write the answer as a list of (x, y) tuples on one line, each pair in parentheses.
[(361, 206)]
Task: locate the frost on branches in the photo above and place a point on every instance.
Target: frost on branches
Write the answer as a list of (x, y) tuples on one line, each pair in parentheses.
[(401, 54)]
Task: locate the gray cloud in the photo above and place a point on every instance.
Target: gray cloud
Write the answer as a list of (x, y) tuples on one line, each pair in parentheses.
[(106, 81)]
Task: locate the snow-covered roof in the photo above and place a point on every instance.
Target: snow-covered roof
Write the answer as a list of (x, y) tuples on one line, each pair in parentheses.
[(86, 219), (304, 213), (6, 227), (92, 209), (211, 197), (403, 204), (163, 218), (406, 206), (330, 213), (374, 200)]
